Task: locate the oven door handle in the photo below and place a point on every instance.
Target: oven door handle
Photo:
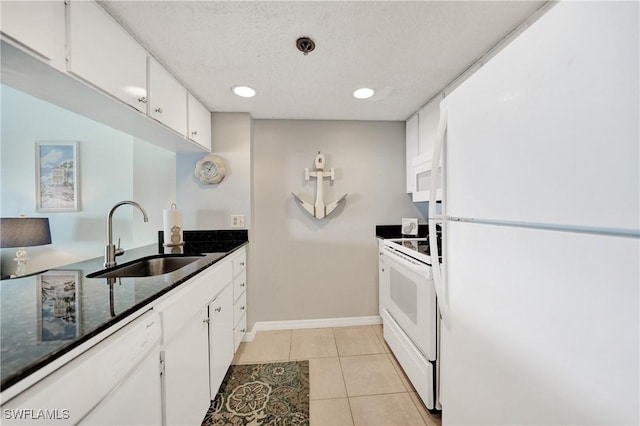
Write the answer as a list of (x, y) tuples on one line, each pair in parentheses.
[(407, 262)]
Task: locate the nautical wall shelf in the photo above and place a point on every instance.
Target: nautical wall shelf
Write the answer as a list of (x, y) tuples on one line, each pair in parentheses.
[(319, 210)]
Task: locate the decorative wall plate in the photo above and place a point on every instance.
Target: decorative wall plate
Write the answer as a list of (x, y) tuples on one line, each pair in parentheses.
[(210, 169)]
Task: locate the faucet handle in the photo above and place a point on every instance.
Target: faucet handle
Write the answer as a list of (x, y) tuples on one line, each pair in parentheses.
[(119, 251)]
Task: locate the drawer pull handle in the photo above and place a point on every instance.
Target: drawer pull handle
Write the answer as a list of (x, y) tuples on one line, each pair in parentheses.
[(218, 309), (242, 308), (206, 320), (158, 110), (242, 285)]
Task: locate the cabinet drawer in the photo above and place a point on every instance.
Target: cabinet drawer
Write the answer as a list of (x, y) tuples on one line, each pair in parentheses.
[(239, 262), (239, 308), (239, 285), (239, 331)]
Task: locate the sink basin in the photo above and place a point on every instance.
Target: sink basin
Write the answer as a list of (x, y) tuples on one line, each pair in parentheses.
[(147, 266)]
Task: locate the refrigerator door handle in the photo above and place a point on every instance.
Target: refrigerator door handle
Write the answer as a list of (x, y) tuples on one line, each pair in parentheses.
[(439, 280)]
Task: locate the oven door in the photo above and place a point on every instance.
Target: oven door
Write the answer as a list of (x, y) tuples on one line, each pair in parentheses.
[(410, 298)]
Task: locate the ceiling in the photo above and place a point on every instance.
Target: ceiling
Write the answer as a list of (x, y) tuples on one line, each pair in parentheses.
[(406, 50)]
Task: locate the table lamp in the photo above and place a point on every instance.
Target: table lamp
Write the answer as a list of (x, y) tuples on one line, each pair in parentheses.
[(24, 232)]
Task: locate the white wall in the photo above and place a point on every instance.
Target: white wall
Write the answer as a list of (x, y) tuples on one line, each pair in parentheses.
[(211, 206), (107, 160), (304, 268)]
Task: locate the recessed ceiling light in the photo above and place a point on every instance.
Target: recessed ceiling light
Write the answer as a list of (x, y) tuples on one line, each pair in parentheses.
[(244, 91), (363, 93)]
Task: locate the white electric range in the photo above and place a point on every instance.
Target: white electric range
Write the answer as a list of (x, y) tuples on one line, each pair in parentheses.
[(409, 313)]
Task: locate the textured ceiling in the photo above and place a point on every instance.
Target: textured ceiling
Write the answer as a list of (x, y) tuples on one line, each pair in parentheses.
[(406, 51)]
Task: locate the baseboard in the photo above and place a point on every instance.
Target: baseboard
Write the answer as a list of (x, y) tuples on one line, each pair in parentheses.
[(312, 323)]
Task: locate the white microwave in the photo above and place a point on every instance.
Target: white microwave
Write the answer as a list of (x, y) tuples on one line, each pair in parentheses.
[(422, 167)]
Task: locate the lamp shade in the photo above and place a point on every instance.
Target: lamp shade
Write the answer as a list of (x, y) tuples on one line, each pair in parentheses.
[(24, 232)]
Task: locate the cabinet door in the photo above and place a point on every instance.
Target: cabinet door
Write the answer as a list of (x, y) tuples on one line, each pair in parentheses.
[(221, 338), (411, 140), (199, 122), (383, 277), (429, 116), (37, 25), (186, 360), (167, 98), (105, 55)]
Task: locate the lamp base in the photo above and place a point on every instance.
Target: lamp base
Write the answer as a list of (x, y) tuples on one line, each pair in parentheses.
[(22, 257)]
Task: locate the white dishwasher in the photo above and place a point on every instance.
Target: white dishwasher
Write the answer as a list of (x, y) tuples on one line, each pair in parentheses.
[(135, 396), (115, 382)]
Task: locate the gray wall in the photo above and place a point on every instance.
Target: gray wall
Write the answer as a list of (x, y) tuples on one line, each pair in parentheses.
[(304, 268), (211, 206)]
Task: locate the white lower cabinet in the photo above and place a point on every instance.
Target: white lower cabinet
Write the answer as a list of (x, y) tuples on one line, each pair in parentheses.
[(164, 367), (239, 262), (383, 276), (221, 344), (185, 384), (186, 324)]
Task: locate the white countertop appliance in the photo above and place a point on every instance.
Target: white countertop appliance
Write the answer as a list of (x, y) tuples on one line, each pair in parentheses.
[(409, 313), (539, 285)]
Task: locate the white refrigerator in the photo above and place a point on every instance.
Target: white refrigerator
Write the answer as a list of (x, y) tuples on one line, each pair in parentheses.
[(539, 285)]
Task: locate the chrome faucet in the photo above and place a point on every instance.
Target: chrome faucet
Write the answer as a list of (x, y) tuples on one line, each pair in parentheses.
[(111, 251)]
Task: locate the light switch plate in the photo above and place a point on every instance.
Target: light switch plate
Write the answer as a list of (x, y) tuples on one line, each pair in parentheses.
[(237, 221)]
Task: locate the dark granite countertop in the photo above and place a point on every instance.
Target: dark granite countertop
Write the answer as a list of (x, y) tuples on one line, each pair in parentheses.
[(45, 315), (395, 231)]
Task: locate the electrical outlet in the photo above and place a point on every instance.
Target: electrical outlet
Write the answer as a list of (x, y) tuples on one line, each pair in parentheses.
[(237, 221)]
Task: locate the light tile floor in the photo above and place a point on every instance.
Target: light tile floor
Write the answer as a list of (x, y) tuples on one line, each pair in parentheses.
[(354, 378)]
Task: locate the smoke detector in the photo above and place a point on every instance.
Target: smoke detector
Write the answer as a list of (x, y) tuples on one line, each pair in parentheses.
[(305, 45)]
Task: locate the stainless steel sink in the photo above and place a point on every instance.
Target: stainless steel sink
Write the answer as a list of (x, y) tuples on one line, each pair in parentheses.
[(147, 266)]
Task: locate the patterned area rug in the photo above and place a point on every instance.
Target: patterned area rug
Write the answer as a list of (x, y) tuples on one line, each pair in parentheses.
[(275, 394)]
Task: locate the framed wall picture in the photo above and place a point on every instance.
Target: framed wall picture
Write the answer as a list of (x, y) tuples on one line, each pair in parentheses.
[(57, 179), (58, 305)]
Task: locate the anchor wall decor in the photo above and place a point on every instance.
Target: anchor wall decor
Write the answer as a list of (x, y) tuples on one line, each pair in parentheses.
[(319, 210)]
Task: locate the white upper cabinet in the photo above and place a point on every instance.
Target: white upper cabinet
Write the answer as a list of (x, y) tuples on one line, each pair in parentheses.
[(199, 129), (38, 26), (411, 136), (420, 167), (104, 54), (429, 117), (167, 98)]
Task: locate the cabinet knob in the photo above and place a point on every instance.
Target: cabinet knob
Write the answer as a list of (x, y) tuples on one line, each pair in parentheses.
[(158, 110), (243, 330), (218, 309), (242, 285), (241, 263), (242, 308), (194, 133), (206, 320), (142, 100)]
